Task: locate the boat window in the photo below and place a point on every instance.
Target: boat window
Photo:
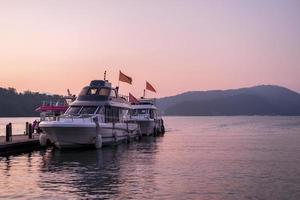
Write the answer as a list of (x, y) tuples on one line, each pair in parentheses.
[(141, 111), (113, 93), (152, 114), (73, 110), (100, 110), (112, 114), (104, 91), (88, 110), (83, 91), (124, 114), (158, 113), (92, 91)]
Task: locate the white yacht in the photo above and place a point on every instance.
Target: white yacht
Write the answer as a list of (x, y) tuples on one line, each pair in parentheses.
[(99, 116), (148, 116)]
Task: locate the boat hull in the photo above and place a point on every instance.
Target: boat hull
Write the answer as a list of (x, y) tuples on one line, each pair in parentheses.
[(147, 127), (67, 135), (150, 127)]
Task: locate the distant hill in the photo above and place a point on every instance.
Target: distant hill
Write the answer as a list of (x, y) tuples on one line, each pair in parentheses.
[(258, 100), (14, 104)]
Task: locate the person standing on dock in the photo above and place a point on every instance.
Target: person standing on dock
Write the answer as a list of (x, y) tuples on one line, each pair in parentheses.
[(34, 125)]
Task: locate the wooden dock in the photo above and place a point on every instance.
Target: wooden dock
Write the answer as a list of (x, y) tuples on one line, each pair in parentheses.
[(19, 144)]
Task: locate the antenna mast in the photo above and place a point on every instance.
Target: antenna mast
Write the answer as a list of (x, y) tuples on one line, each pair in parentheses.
[(105, 75)]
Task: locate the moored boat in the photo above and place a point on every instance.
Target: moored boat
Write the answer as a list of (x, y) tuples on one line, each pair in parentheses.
[(148, 116), (99, 116)]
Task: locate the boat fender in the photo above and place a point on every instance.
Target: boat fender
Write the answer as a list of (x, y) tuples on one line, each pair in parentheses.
[(43, 139), (98, 142), (128, 138), (163, 129), (115, 136), (139, 132), (154, 132)]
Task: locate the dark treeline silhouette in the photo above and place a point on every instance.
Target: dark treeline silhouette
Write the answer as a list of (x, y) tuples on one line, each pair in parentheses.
[(14, 104), (258, 100)]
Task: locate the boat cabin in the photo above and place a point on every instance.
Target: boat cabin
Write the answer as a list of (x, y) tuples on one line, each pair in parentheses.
[(98, 90), (101, 100), (150, 113), (146, 109)]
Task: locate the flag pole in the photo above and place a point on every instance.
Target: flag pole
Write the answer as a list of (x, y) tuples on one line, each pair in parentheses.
[(118, 83), (105, 75), (119, 78)]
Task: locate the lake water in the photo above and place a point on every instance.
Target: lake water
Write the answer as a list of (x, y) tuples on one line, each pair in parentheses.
[(18, 124), (198, 158)]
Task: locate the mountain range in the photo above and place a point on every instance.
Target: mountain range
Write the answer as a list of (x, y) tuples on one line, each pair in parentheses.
[(258, 100)]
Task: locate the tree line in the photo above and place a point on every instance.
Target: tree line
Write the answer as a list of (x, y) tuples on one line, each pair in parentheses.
[(22, 104)]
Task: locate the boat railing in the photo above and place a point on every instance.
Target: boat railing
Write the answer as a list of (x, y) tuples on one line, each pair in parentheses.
[(87, 118), (141, 116), (147, 101), (79, 118), (124, 97), (55, 103)]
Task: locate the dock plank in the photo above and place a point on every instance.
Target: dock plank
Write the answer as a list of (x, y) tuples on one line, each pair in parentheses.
[(18, 138), (19, 144)]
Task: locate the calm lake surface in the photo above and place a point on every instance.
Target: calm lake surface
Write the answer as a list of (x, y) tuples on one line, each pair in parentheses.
[(198, 158)]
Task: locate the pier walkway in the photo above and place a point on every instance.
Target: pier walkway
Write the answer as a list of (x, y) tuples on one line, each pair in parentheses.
[(19, 144)]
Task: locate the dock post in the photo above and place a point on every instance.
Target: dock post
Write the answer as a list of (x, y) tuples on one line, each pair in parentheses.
[(30, 131), (27, 128), (8, 132)]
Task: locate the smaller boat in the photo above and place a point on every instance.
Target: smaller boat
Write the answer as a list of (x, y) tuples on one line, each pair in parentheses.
[(54, 108), (148, 116)]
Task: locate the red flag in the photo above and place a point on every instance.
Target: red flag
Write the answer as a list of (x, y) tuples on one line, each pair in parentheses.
[(124, 78), (132, 99), (150, 87)]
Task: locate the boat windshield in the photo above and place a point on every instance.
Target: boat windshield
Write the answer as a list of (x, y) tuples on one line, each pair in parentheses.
[(83, 91), (92, 91), (78, 110), (73, 110), (104, 91), (95, 91), (88, 110), (141, 112)]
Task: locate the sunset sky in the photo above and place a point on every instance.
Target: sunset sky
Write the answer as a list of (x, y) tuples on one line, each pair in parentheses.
[(178, 46)]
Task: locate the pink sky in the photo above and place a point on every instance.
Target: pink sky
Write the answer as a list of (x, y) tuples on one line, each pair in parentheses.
[(178, 46)]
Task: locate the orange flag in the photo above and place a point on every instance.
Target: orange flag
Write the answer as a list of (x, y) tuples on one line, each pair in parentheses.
[(132, 99), (125, 78), (150, 87)]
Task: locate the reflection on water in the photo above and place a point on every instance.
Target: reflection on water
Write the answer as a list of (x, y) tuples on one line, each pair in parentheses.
[(106, 173), (198, 158), (122, 171)]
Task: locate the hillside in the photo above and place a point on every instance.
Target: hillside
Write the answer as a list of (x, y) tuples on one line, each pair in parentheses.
[(14, 104), (258, 100)]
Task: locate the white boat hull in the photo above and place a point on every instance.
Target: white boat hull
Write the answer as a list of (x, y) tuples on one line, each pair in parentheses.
[(147, 127), (65, 135)]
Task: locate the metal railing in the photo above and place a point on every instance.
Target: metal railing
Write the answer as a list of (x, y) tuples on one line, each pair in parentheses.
[(87, 118), (55, 103)]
